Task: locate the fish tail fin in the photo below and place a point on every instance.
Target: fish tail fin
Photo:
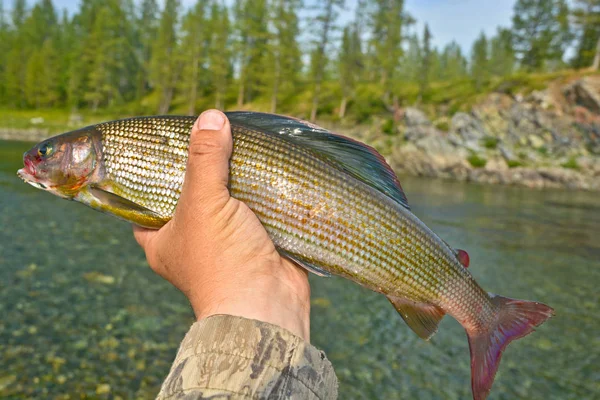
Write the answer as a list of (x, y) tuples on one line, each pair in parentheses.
[(514, 319)]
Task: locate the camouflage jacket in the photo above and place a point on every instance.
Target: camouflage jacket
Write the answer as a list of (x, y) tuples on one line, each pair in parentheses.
[(227, 357)]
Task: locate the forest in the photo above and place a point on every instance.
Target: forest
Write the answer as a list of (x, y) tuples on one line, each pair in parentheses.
[(134, 57)]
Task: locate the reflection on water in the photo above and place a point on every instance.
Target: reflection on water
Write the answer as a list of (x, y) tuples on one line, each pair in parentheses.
[(81, 313)]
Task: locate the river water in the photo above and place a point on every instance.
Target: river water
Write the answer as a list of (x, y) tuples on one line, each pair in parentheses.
[(81, 315)]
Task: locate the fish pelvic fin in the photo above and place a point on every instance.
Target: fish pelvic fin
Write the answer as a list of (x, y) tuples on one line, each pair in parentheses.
[(514, 319), (422, 318)]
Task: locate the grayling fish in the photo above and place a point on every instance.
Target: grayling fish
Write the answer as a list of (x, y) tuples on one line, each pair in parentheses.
[(328, 202)]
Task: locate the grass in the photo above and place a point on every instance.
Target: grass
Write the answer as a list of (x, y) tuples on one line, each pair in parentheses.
[(514, 163), (571, 164), (476, 161), (442, 99), (490, 142), (55, 120)]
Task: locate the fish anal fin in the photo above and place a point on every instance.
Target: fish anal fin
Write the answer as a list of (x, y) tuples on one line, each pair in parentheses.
[(422, 318), (310, 267), (111, 203)]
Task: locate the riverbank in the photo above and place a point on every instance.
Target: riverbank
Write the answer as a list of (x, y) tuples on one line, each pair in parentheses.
[(546, 138)]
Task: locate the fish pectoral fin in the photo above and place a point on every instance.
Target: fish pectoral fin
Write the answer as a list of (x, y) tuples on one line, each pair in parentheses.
[(422, 318), (107, 202), (305, 264)]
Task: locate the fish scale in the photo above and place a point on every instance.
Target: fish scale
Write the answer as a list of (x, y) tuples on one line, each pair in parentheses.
[(282, 184), (329, 203)]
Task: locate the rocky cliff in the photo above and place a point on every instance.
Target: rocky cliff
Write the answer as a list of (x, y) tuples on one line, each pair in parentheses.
[(549, 138)]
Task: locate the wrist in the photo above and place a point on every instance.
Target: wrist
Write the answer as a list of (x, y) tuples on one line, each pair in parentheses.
[(279, 295)]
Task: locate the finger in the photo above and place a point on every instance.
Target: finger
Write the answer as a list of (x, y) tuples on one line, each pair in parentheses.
[(143, 235), (210, 148)]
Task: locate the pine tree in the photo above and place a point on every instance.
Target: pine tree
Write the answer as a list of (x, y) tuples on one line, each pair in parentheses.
[(4, 49), (19, 12), (388, 20), (192, 52), (452, 63), (146, 36), (284, 51), (502, 54), (540, 32), (410, 64), (350, 64), (325, 23), (252, 47), (164, 68), (587, 20), (220, 53), (41, 83), (426, 61), (480, 60)]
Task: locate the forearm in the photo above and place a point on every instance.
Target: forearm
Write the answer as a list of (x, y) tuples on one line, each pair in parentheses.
[(243, 358)]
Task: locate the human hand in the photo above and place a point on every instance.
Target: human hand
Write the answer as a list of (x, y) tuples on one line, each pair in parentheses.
[(216, 251)]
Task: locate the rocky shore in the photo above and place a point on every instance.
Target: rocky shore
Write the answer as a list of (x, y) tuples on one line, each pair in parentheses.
[(547, 139)]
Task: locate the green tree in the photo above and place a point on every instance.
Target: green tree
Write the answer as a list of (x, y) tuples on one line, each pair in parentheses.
[(480, 61), (540, 32), (410, 63), (19, 12), (4, 49), (42, 83), (350, 64), (324, 25), (147, 25), (220, 52), (426, 59), (587, 21), (164, 68), (452, 63), (193, 52), (285, 56), (502, 55), (388, 20), (252, 47)]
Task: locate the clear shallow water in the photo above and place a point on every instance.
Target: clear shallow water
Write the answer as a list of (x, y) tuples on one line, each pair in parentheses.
[(82, 314)]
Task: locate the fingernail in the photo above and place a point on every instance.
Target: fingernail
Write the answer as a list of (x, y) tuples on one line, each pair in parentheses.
[(211, 120)]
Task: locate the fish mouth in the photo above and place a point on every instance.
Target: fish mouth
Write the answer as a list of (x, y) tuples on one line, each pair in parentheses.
[(28, 177)]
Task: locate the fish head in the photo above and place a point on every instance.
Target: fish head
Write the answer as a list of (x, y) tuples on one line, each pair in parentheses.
[(62, 164)]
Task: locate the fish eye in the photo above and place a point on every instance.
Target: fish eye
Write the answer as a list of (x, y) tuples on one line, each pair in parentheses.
[(45, 150)]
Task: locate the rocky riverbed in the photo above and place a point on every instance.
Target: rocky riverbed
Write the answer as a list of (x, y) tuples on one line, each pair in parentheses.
[(547, 139)]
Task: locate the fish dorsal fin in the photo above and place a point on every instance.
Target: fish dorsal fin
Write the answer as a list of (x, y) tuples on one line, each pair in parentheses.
[(351, 156), (422, 318), (310, 267)]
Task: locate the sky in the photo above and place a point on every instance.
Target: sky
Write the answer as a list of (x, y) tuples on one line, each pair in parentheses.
[(460, 20)]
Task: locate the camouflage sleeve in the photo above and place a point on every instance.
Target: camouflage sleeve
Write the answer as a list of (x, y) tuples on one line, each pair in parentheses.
[(227, 357)]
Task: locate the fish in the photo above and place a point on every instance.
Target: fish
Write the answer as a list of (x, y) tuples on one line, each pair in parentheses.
[(329, 203)]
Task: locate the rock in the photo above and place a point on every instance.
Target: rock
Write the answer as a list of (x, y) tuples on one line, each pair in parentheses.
[(415, 117), (506, 153), (36, 121), (75, 119), (496, 164), (97, 277), (585, 92), (543, 98), (536, 142), (102, 388), (467, 127)]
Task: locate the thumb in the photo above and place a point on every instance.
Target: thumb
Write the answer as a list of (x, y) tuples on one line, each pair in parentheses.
[(207, 169)]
